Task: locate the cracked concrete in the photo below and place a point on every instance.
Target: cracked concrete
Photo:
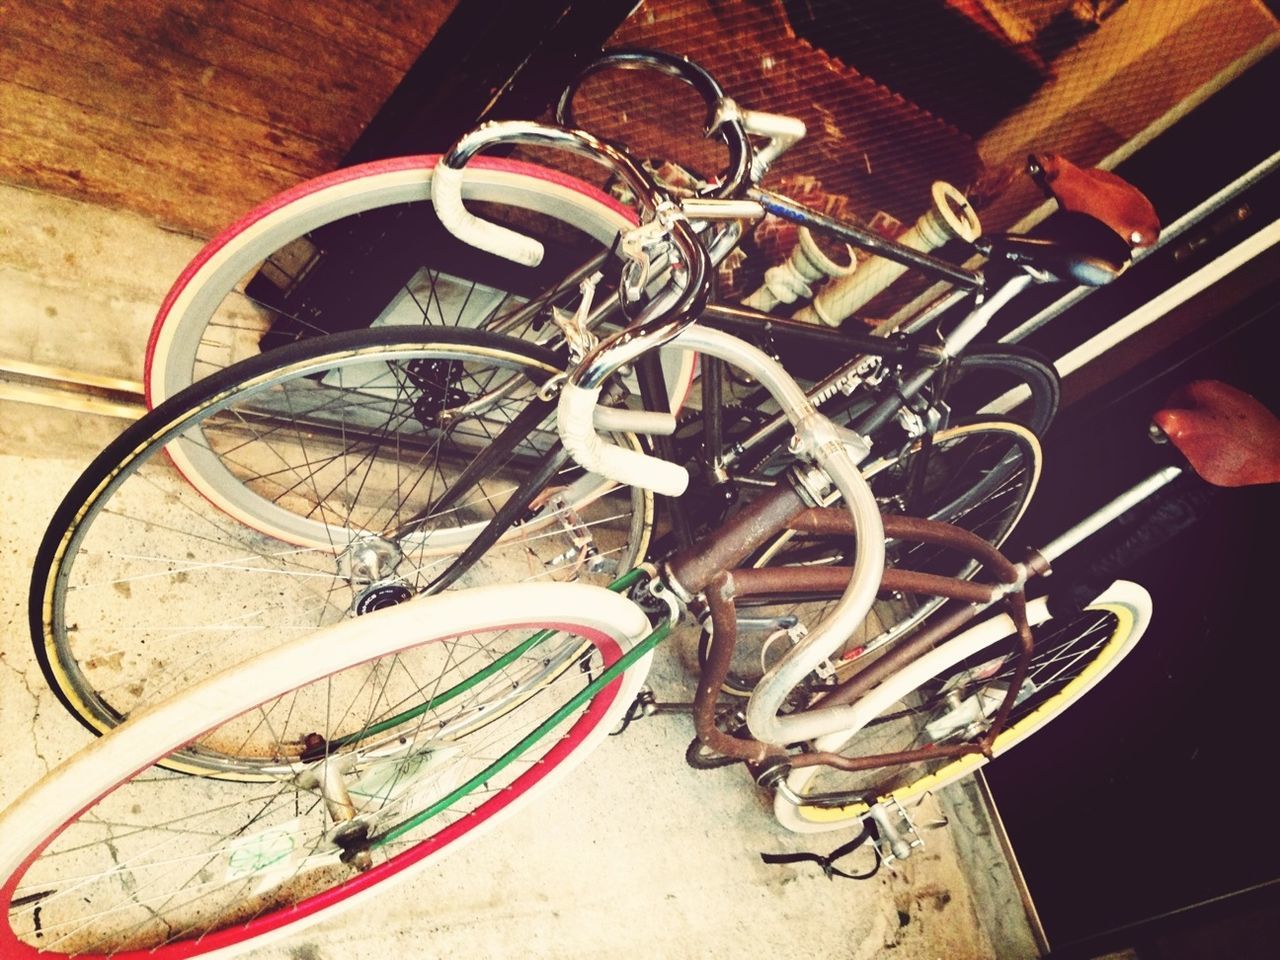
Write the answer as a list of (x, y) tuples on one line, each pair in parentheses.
[(634, 848), (48, 734)]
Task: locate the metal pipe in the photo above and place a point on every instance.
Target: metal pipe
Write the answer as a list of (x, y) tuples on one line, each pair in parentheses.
[(980, 316), (1100, 518), (724, 636), (693, 568), (868, 240), (950, 217), (758, 581)]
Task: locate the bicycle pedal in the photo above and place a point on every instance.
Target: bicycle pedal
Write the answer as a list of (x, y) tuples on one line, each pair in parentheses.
[(897, 831)]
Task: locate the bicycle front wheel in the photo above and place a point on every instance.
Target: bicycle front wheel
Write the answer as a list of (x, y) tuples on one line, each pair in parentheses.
[(455, 711), (949, 696), (337, 455)]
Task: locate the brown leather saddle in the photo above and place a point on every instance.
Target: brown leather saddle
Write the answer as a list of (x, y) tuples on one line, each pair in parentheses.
[(1100, 194), (1229, 437), (1103, 219)]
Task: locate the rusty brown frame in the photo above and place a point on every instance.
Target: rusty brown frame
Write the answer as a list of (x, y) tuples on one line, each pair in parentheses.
[(708, 568)]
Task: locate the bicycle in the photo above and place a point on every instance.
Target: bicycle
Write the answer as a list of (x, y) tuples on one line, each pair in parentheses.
[(364, 772), (191, 335), (266, 847), (186, 342), (373, 465)]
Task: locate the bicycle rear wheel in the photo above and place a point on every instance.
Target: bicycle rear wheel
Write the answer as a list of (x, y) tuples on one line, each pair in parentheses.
[(337, 453), (252, 278), (949, 695), (467, 710)]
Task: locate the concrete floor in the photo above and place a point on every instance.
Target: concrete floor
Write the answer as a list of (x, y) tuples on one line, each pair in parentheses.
[(634, 852)]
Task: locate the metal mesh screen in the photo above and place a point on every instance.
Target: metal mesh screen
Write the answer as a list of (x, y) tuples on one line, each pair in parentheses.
[(898, 93)]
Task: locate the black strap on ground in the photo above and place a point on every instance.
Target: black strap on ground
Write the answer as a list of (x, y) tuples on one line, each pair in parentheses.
[(827, 863), (634, 713)]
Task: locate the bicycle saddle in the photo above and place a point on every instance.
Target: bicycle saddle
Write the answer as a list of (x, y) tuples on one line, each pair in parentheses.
[(1230, 438), (1073, 246), (1099, 193)]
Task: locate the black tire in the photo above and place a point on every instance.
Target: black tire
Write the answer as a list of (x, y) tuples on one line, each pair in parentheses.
[(983, 376), (320, 466)]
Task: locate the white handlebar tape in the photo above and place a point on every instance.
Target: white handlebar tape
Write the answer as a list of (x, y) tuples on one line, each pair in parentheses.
[(576, 411), (617, 419), (446, 196)]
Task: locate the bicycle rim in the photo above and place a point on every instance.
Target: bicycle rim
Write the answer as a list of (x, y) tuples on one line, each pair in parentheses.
[(109, 857), (144, 584), (948, 696), (252, 277)]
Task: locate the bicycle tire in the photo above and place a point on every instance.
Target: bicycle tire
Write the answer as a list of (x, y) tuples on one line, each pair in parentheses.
[(223, 302), (983, 375), (185, 866), (1093, 641), (247, 278), (142, 584), (1006, 459)]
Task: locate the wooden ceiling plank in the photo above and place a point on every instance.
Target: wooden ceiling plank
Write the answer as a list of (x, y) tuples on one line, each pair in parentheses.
[(138, 74), (393, 33), (95, 158)]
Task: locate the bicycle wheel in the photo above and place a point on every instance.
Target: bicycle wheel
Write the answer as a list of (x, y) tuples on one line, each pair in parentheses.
[(257, 279), (247, 279), (979, 476), (455, 711), (949, 695), (338, 453), (983, 376)]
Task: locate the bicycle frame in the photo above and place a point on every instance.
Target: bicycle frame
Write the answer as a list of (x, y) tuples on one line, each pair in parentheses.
[(668, 317), (706, 570), (745, 322)]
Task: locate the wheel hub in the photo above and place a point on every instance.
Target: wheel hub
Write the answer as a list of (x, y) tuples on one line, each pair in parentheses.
[(369, 565), (380, 595), (437, 381), (369, 559)]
